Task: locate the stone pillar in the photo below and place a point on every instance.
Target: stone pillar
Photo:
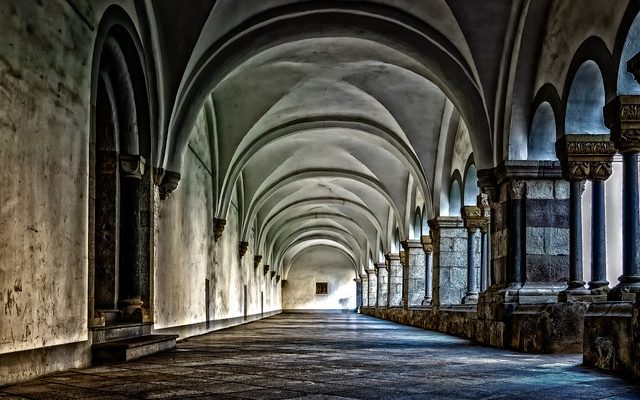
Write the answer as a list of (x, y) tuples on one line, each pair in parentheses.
[(449, 260), (364, 289), (415, 273), (483, 203), (427, 246), (529, 230), (622, 116), (132, 170), (383, 285), (473, 221), (373, 287), (358, 282), (395, 280), (404, 292)]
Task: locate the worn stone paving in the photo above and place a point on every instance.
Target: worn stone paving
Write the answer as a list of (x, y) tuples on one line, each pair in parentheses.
[(332, 356)]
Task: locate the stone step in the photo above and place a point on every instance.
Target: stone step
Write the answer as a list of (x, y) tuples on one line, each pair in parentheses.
[(123, 350), (115, 331)]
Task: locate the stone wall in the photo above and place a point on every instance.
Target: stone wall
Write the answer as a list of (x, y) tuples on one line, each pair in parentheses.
[(449, 260)]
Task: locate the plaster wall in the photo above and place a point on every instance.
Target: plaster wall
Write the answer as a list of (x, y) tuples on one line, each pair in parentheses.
[(320, 264)]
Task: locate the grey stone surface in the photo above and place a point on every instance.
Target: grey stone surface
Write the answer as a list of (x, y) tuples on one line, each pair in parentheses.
[(330, 356)]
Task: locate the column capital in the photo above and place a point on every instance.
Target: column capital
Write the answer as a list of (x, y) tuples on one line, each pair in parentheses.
[(132, 166), (242, 249), (218, 228), (622, 116), (411, 244), (265, 269), (364, 275), (371, 271), (586, 156), (474, 219), (379, 265), (256, 261), (427, 244), (167, 182)]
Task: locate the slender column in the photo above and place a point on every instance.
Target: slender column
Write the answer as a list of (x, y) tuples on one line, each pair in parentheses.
[(586, 156), (516, 244), (473, 219), (622, 116), (383, 285), (404, 291), (427, 246), (483, 203), (358, 293), (364, 289), (132, 170), (395, 280), (598, 238), (373, 287)]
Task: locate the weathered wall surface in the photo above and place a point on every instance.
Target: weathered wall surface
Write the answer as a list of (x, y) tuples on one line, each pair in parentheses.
[(188, 256), (320, 264)]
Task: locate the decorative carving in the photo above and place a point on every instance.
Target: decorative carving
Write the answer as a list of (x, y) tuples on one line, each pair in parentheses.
[(622, 116), (517, 189), (266, 269), (283, 283), (168, 183), (586, 156), (256, 261), (277, 278), (243, 247), (273, 274), (633, 66), (474, 218), (427, 244), (132, 166), (218, 228)]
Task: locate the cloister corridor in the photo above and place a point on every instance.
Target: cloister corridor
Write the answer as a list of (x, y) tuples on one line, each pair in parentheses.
[(332, 356)]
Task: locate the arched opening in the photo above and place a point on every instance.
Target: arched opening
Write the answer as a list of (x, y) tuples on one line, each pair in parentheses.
[(417, 224), (626, 83), (120, 216), (471, 189), (542, 137), (455, 199), (585, 101)]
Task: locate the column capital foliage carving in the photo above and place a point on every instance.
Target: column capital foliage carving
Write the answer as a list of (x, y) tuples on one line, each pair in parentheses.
[(586, 156), (167, 182), (474, 218), (517, 189), (218, 228), (256, 261), (622, 117), (242, 248), (427, 244)]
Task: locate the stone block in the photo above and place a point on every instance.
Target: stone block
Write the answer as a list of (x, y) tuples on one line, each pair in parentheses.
[(540, 189), (547, 213), (561, 190), (535, 241), (547, 268), (556, 241)]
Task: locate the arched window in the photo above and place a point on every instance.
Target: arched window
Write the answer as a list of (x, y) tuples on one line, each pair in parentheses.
[(542, 137)]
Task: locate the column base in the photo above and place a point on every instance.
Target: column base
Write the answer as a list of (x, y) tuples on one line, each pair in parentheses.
[(470, 298), (599, 287), (578, 294), (426, 301), (626, 290)]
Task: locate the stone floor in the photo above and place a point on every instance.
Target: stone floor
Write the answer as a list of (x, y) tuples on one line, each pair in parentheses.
[(332, 356)]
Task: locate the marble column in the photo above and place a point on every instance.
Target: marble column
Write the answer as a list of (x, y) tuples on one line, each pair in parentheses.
[(415, 273), (372, 294), (427, 246), (395, 280), (622, 116), (383, 285), (364, 289), (132, 169), (473, 220)]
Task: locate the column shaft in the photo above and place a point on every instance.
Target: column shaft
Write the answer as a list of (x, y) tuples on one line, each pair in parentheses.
[(395, 280), (575, 236), (598, 237), (483, 261), (373, 287), (471, 296)]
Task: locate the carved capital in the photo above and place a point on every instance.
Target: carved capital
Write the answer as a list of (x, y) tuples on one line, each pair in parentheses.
[(266, 269), (427, 244), (242, 248), (585, 156), (277, 278), (168, 183), (273, 274), (517, 189), (256, 261), (622, 116), (132, 166), (474, 218), (218, 228)]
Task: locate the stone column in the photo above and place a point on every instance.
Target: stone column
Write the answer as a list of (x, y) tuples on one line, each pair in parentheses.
[(427, 246), (587, 156), (364, 289), (449, 260), (622, 116), (473, 221), (415, 273), (483, 203), (132, 170), (395, 280), (358, 282), (373, 287), (404, 292), (383, 285)]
